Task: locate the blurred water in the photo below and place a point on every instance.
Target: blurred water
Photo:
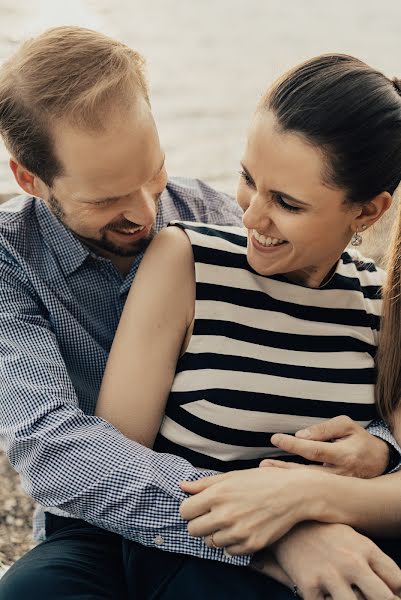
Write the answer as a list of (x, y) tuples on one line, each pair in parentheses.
[(209, 60)]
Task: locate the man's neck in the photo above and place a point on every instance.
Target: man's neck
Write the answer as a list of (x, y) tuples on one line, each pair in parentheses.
[(122, 263)]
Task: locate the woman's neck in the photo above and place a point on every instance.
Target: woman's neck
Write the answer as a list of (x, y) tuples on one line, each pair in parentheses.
[(313, 276)]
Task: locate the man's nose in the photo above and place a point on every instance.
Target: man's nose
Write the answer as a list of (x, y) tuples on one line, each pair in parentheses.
[(141, 209)]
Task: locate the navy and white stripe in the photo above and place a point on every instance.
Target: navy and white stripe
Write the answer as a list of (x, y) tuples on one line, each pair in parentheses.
[(268, 355)]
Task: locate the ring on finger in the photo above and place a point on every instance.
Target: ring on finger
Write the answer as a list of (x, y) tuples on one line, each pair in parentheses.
[(213, 542)]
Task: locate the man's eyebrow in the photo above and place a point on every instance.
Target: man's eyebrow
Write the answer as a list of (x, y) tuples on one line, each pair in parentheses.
[(114, 198), (283, 194)]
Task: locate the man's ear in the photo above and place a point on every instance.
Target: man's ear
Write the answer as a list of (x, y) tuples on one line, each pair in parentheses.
[(31, 184), (370, 212)]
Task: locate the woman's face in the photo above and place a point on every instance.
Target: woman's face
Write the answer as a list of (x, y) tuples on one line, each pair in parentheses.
[(297, 225)]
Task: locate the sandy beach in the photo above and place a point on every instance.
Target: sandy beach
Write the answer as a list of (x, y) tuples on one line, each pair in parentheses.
[(208, 62)]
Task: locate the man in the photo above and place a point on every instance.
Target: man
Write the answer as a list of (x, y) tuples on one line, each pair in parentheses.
[(75, 116)]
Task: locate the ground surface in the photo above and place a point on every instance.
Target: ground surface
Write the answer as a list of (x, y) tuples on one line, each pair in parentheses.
[(15, 516)]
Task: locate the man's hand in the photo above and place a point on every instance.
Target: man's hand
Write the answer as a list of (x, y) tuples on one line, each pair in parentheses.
[(355, 452), (336, 562), (247, 510)]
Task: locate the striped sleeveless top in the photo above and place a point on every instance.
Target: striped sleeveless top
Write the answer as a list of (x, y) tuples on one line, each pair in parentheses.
[(267, 355)]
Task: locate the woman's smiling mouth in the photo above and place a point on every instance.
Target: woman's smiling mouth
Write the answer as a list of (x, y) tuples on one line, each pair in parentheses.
[(262, 242)]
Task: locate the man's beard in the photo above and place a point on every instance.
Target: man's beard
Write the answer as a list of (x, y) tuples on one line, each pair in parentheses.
[(103, 243)]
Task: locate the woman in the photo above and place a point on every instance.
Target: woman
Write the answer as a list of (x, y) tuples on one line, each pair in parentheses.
[(275, 328)]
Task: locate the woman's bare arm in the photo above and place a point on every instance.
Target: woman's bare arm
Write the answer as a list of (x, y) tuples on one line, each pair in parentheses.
[(154, 324)]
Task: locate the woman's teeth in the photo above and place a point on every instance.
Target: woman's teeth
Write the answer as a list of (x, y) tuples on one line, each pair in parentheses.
[(266, 241)]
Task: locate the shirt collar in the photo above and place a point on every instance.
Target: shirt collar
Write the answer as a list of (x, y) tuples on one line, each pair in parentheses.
[(70, 252), (124, 289)]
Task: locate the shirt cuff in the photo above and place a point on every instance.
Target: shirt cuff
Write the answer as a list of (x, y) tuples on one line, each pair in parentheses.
[(179, 542), (381, 430)]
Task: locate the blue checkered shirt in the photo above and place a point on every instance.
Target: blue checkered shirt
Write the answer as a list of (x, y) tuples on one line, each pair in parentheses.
[(59, 308)]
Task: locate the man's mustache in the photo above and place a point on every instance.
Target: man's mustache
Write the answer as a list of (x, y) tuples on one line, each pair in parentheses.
[(121, 225)]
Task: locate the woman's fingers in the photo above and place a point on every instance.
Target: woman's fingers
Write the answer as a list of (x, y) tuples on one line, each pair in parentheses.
[(337, 561), (204, 525), (228, 540), (261, 504), (388, 571), (283, 464), (194, 487), (195, 506), (340, 591), (237, 550), (372, 587)]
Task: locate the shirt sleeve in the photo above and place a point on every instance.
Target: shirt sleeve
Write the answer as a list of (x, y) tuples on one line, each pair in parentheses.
[(77, 462), (201, 202), (381, 430), (221, 209)]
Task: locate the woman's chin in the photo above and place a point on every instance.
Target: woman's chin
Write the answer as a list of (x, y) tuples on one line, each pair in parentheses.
[(261, 267)]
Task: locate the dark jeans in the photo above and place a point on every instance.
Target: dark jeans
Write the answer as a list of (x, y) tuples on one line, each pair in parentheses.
[(81, 561)]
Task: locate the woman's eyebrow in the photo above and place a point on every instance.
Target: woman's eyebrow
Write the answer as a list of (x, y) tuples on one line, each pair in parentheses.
[(284, 194)]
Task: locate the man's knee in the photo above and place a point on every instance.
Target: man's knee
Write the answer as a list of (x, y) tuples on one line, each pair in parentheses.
[(26, 579), (66, 567)]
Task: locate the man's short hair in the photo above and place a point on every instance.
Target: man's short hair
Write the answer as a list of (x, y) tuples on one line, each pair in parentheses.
[(68, 74)]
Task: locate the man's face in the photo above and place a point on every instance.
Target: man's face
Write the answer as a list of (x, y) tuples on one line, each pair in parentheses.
[(109, 191)]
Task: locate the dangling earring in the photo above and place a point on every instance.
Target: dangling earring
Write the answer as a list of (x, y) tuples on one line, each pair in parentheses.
[(357, 239)]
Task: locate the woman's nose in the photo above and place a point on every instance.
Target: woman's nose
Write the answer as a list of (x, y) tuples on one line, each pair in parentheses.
[(256, 215)]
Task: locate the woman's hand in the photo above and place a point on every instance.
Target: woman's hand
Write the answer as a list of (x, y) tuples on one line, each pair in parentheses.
[(244, 511), (336, 562), (341, 445)]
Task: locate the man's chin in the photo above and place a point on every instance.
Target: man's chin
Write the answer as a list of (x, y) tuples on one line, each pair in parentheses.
[(106, 246)]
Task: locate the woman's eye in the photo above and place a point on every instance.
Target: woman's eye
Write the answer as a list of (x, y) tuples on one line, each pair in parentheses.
[(281, 202), (246, 178)]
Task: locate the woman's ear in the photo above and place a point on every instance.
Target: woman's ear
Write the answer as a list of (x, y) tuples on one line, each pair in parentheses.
[(370, 212)]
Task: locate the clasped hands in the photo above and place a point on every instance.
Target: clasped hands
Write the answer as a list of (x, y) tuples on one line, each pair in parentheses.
[(248, 510)]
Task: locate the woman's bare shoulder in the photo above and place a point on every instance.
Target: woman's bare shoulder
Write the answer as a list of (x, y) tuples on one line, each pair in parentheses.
[(173, 241), (168, 262)]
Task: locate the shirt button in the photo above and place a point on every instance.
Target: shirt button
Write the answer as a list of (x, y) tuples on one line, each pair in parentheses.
[(158, 540)]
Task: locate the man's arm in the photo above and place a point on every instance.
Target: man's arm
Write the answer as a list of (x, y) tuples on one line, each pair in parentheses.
[(74, 461)]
